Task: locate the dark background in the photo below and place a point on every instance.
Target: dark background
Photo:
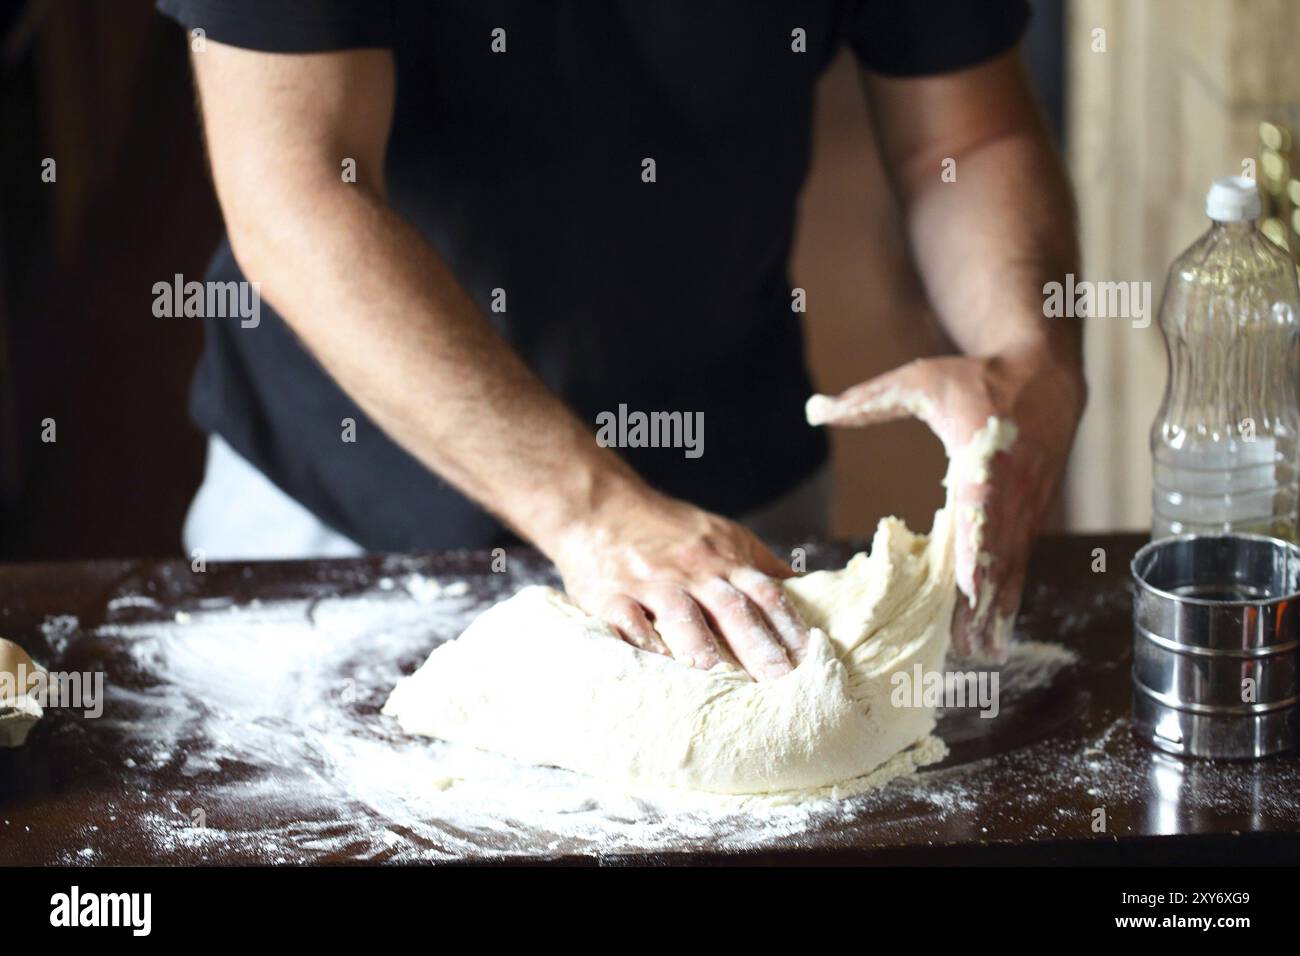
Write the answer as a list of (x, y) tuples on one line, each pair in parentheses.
[(103, 87)]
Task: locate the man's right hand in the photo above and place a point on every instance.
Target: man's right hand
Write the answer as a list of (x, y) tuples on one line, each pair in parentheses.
[(674, 579), (386, 317)]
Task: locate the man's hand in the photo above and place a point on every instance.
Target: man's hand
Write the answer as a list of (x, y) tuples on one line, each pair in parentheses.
[(955, 397), (673, 579)]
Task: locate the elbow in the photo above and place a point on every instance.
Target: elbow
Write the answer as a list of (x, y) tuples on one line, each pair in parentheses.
[(274, 226)]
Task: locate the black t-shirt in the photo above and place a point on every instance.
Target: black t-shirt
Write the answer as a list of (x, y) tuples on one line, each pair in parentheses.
[(523, 169)]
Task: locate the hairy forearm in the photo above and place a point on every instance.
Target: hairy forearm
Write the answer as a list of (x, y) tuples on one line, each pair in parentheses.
[(986, 244), (386, 318)]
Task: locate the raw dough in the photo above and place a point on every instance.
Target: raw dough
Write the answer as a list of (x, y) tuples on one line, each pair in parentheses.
[(19, 709), (538, 679)]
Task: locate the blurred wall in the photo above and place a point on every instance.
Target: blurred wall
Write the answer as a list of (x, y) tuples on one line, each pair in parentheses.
[(102, 88), (866, 311)]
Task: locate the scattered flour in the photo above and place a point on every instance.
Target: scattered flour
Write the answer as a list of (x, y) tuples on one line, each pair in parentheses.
[(131, 600), (58, 630), (291, 692), (426, 590), (270, 714)]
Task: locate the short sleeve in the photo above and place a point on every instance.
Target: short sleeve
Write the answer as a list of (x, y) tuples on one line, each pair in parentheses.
[(287, 26), (920, 37)]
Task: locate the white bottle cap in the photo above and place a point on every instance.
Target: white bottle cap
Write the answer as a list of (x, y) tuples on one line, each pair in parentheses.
[(1232, 199)]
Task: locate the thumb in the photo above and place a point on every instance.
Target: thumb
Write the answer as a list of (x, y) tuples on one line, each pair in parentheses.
[(885, 398)]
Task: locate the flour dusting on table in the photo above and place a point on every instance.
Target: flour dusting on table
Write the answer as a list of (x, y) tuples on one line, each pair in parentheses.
[(272, 710), (291, 691)]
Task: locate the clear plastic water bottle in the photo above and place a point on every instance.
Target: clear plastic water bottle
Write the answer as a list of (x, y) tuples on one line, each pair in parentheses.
[(1224, 444)]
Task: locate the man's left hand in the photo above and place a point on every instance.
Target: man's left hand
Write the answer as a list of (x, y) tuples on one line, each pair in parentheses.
[(1043, 394)]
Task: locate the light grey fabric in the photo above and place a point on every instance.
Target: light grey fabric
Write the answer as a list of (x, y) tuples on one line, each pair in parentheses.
[(239, 514)]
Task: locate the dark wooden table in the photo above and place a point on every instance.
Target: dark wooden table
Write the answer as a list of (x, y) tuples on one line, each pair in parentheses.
[(1058, 776)]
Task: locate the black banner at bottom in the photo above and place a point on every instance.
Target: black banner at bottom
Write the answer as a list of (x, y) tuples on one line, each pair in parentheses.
[(335, 905)]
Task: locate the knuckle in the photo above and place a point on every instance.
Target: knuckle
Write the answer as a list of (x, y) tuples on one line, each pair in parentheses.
[(761, 588), (668, 597), (721, 593), (615, 604), (630, 624)]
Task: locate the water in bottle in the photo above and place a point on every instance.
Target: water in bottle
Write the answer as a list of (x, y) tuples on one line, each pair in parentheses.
[(1224, 443)]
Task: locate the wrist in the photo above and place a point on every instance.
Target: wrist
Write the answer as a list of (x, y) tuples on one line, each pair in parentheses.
[(1058, 359), (585, 510), (1057, 351)]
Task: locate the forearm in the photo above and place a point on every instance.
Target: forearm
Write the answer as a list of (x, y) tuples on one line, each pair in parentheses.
[(383, 314), (987, 243)]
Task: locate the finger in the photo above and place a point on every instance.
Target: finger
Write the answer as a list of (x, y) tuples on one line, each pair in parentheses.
[(629, 619), (1013, 585), (969, 545), (985, 629), (965, 633), (683, 627), (777, 607), (1008, 603), (981, 531), (744, 629), (983, 632), (1010, 543), (972, 620), (1012, 549), (885, 398), (976, 602)]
